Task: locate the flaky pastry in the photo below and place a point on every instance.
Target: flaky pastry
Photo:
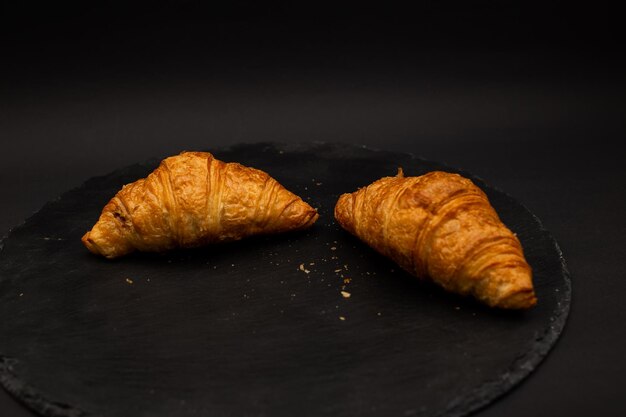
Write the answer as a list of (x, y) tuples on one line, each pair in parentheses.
[(191, 200), (441, 226)]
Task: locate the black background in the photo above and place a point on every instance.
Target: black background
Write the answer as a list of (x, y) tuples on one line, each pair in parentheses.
[(528, 96)]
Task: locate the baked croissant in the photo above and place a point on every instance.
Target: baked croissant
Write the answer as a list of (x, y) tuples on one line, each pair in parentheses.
[(193, 199), (440, 226)]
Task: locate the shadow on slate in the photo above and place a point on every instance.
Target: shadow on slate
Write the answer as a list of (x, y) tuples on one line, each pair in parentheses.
[(240, 330)]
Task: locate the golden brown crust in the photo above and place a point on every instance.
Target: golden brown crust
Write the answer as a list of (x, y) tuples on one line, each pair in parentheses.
[(440, 226), (193, 199)]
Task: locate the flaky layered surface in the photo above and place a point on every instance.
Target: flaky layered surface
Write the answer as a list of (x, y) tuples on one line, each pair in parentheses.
[(441, 226), (191, 200)]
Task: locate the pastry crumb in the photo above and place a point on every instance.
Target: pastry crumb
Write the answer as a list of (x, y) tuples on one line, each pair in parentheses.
[(333, 248), (21, 294), (129, 281), (303, 269), (345, 294), (342, 318)]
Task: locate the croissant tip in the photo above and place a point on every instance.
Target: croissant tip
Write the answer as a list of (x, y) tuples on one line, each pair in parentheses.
[(400, 173), (89, 243), (312, 219), (521, 300)]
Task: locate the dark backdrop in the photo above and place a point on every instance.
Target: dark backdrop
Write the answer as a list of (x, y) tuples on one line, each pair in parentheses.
[(529, 96)]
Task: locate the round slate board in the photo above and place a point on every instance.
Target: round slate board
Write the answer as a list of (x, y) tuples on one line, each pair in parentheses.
[(260, 327)]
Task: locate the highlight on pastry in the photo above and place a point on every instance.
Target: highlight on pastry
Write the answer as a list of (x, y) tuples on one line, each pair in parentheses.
[(191, 200), (441, 227)]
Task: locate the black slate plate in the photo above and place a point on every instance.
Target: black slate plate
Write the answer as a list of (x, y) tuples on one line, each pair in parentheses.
[(241, 330)]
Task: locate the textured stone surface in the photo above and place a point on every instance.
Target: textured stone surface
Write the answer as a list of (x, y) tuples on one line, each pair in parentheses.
[(242, 330)]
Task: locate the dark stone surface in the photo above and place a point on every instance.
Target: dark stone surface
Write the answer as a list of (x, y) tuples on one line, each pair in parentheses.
[(240, 330)]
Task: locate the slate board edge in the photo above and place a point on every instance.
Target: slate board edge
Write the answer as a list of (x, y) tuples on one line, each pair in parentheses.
[(30, 397), (490, 391), (522, 366)]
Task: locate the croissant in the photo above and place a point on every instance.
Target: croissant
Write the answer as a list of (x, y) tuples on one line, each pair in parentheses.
[(191, 200), (440, 226)]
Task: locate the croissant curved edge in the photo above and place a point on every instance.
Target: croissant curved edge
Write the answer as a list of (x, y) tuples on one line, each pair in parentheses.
[(193, 199)]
